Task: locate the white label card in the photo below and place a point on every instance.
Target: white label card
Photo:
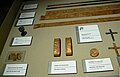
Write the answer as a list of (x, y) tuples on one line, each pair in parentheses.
[(15, 70), (26, 40), (62, 67), (30, 6), (89, 33), (94, 65), (25, 22), (27, 14)]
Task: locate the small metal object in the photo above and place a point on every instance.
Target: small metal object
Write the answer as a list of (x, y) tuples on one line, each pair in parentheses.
[(112, 34), (23, 33), (116, 50), (94, 52), (115, 47), (22, 30)]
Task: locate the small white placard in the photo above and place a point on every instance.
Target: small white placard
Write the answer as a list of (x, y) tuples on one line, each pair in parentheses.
[(26, 40), (27, 15), (30, 6), (88, 33), (25, 22), (15, 70), (95, 65), (62, 67)]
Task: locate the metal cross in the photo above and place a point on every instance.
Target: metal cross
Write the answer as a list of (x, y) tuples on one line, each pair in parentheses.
[(111, 34), (115, 47)]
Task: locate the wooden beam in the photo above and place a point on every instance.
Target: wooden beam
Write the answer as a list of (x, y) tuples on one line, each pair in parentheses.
[(82, 12), (74, 4), (83, 9), (67, 23)]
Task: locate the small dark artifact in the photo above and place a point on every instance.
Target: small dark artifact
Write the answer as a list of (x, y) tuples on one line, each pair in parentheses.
[(22, 30)]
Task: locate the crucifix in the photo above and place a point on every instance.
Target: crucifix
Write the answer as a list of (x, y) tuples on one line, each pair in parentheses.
[(116, 50), (112, 34)]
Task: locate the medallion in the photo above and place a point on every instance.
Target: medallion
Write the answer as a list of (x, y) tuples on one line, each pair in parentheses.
[(94, 52)]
